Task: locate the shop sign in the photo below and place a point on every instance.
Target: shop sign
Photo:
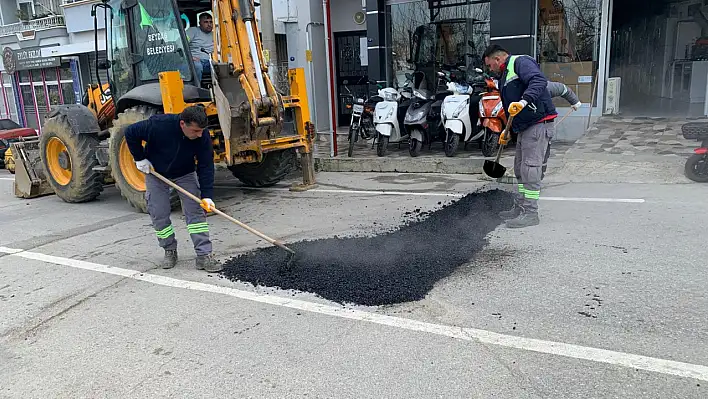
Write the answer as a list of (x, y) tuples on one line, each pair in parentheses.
[(27, 58)]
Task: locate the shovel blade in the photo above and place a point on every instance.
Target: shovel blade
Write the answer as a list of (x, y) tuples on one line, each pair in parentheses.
[(493, 169)]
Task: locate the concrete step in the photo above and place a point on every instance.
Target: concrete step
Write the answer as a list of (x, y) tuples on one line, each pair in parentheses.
[(456, 165)]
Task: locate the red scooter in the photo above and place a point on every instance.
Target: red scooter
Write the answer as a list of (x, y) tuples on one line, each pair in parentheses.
[(696, 167)]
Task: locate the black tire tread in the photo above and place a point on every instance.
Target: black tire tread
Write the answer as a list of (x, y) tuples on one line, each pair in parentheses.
[(689, 169), (136, 199), (382, 145), (274, 168), (451, 145), (86, 184)]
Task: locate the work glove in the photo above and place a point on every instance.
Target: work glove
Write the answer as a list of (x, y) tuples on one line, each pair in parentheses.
[(516, 107), (144, 166), (576, 106), (208, 204), (504, 138)]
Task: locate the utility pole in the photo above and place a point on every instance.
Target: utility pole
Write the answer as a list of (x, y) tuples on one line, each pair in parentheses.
[(268, 38)]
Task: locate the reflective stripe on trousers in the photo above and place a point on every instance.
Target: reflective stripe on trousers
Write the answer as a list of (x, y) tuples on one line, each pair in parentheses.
[(159, 208), (531, 150)]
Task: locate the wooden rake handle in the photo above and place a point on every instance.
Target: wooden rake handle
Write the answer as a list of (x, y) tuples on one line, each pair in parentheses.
[(218, 212)]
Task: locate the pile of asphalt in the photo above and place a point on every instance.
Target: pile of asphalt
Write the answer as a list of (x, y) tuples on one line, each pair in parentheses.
[(393, 267)]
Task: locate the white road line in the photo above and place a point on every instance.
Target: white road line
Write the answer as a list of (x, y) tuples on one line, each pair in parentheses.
[(582, 199), (438, 194), (7, 178), (663, 366)]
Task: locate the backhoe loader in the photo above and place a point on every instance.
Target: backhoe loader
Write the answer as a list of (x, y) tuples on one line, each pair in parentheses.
[(151, 70)]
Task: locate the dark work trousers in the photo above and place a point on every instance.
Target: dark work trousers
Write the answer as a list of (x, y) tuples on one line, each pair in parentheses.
[(159, 208), (531, 148)]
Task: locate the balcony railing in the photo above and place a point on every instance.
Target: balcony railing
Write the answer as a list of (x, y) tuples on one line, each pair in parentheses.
[(34, 24)]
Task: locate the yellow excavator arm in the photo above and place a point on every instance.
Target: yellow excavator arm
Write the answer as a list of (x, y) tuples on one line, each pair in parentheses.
[(250, 109)]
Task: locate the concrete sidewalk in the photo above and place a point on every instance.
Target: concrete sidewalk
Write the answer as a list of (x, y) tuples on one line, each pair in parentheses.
[(615, 149)]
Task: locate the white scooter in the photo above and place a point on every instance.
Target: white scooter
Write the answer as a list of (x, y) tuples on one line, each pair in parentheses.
[(456, 117), (389, 114)]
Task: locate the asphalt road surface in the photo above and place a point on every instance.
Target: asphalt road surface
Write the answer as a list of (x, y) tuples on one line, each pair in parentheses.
[(605, 299)]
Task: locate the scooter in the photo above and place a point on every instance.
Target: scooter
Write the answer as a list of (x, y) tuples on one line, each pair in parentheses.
[(460, 123), (423, 121), (492, 117), (696, 167), (389, 115)]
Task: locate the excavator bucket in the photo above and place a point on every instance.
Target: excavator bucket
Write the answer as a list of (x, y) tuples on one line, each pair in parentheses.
[(30, 180)]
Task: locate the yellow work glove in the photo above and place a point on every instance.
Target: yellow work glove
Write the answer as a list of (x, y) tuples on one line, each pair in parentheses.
[(516, 107), (208, 205), (504, 138)]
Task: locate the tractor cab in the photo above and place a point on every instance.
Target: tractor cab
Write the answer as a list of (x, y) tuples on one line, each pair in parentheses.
[(144, 38)]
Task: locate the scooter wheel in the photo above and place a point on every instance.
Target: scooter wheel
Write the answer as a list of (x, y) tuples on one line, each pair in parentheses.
[(414, 147), (697, 168), (353, 134), (490, 143), (451, 145), (382, 145)]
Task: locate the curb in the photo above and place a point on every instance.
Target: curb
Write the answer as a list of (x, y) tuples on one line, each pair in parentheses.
[(471, 166)]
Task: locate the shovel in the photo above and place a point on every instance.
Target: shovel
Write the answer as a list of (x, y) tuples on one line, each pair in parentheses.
[(494, 169), (218, 212)]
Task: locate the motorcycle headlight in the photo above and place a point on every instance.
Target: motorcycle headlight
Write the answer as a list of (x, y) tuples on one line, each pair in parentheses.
[(415, 115), (389, 97), (460, 108), (481, 109)]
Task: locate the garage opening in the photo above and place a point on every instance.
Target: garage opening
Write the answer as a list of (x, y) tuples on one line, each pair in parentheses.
[(659, 49)]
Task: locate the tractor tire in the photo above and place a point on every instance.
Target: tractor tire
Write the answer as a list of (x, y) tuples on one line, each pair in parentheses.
[(274, 168), (68, 160), (128, 179)]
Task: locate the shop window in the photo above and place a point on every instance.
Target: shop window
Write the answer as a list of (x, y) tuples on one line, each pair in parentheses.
[(24, 76), (28, 104), (54, 97), (67, 90), (65, 71), (9, 106), (427, 39), (569, 44), (36, 75)]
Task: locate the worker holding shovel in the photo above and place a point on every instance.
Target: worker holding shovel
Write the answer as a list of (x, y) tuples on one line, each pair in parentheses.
[(524, 93), (173, 143)]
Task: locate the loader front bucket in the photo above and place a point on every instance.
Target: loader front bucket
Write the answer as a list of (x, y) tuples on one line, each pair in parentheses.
[(30, 179)]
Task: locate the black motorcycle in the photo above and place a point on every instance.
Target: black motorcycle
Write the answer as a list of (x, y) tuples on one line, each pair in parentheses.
[(423, 120), (362, 122)]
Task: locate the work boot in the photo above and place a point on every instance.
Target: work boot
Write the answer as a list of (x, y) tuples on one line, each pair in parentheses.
[(525, 219), (208, 263), (170, 259), (512, 213)]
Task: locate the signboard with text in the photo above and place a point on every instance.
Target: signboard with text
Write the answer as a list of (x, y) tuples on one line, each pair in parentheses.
[(27, 58)]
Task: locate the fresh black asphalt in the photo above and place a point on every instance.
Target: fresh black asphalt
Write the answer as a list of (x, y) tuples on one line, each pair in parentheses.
[(394, 267)]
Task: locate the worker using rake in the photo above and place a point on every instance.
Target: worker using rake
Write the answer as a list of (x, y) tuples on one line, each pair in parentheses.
[(173, 143)]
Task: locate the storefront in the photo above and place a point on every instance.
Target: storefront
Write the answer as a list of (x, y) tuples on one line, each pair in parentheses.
[(33, 84), (569, 38)]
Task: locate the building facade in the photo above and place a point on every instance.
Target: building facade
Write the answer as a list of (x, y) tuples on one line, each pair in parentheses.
[(48, 49), (633, 57)]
